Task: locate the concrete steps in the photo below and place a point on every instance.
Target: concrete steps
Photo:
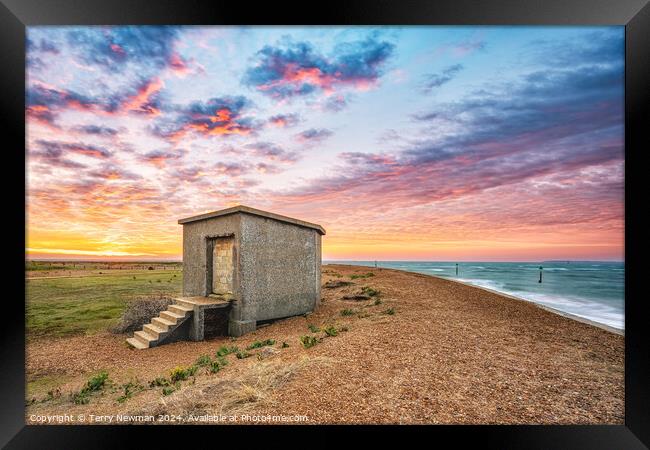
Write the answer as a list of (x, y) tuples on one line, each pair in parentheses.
[(154, 333)]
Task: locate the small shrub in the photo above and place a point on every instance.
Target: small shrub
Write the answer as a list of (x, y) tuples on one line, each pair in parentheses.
[(217, 365), (331, 331), (377, 302), (94, 384), (160, 382), (140, 311), (285, 345), (203, 360), (260, 344), (389, 311), (130, 388), (370, 291), (168, 390), (308, 341), (242, 355), (365, 275), (314, 328), (224, 351), (347, 312), (181, 373)]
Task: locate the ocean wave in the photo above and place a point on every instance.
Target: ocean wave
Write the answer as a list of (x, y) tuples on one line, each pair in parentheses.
[(577, 306)]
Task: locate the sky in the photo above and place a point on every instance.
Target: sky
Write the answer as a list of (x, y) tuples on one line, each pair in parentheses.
[(404, 143)]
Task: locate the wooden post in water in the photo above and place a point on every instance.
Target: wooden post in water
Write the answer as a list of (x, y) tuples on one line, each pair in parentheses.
[(456, 269), (540, 274)]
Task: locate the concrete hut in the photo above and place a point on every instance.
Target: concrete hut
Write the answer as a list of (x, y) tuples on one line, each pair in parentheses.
[(241, 267)]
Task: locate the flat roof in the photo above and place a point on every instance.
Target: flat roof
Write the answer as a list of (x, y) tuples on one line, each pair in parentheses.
[(255, 212)]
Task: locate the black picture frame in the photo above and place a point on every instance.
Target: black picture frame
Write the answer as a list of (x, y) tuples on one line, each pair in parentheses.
[(15, 15)]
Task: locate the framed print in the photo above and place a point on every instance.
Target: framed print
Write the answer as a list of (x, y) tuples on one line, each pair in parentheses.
[(418, 215)]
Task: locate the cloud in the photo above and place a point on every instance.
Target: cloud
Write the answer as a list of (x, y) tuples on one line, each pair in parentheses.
[(113, 172), (335, 103), (114, 48), (284, 120), (436, 80), (97, 130), (270, 151), (298, 69), (467, 46), (56, 149), (44, 103), (159, 158), (219, 116), (314, 135), (543, 122)]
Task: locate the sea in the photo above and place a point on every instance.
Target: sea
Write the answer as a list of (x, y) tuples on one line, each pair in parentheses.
[(593, 290)]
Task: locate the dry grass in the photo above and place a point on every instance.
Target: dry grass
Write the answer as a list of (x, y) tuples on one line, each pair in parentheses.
[(253, 388)]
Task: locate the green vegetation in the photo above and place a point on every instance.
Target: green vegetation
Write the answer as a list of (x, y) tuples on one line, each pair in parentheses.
[(308, 341), (203, 360), (130, 388), (363, 275), (285, 345), (224, 351), (370, 291), (160, 382), (377, 302), (182, 373), (169, 389), (94, 384), (65, 306), (347, 312), (331, 331), (218, 364), (242, 355), (313, 328), (260, 344), (389, 311)]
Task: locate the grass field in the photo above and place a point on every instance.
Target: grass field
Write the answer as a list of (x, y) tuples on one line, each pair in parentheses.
[(67, 305)]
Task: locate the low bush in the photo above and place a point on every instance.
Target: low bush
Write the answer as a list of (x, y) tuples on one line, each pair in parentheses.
[(308, 341), (218, 364), (182, 373), (370, 291), (242, 355), (331, 331), (130, 388), (224, 351), (160, 382), (140, 311), (203, 360), (363, 275), (260, 344), (347, 312), (94, 384), (314, 328)]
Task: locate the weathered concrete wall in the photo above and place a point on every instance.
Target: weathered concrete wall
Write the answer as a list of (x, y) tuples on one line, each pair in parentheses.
[(279, 265), (195, 252), (222, 266)]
